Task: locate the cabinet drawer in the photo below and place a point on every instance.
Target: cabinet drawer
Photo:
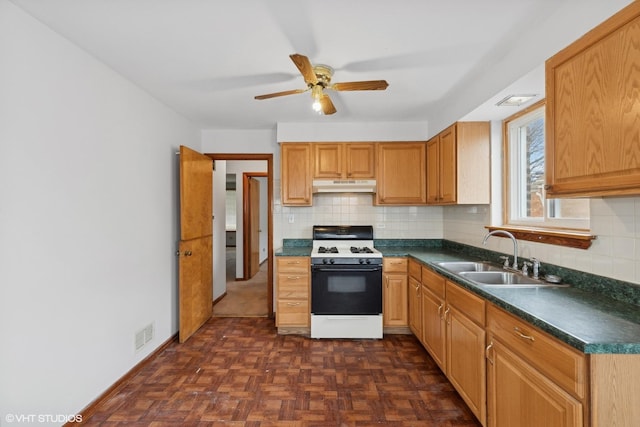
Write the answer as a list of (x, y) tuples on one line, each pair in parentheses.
[(292, 312), (559, 362), (433, 281), (415, 270), (293, 286), (471, 305), (296, 265), (394, 265)]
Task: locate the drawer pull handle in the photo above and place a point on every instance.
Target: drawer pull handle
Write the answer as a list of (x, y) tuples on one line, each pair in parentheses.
[(293, 304), (293, 277), (440, 311), (523, 336), (293, 262), (486, 352), (445, 315)]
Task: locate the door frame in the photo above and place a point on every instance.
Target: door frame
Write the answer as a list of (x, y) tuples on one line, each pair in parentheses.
[(268, 157), (246, 211)]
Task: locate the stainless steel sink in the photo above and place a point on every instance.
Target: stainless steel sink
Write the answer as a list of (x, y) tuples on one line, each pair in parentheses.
[(505, 279), (460, 266)]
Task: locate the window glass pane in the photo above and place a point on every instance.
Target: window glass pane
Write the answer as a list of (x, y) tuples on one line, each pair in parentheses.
[(527, 202), (534, 140)]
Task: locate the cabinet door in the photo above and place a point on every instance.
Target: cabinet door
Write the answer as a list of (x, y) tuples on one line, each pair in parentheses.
[(415, 307), (328, 160), (433, 326), (296, 174), (519, 395), (466, 360), (447, 165), (401, 172), (592, 121), (360, 161), (433, 170), (395, 304)]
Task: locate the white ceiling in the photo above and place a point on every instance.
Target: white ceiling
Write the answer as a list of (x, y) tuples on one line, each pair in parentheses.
[(207, 59)]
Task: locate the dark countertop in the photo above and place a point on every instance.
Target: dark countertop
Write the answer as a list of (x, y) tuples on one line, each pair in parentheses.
[(588, 321)]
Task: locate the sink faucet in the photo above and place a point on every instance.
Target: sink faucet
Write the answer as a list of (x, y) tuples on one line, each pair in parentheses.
[(513, 239)]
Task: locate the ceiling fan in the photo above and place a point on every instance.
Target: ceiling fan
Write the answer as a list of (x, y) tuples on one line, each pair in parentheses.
[(318, 78)]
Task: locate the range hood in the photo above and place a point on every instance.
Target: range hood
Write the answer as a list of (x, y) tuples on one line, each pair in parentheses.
[(344, 185)]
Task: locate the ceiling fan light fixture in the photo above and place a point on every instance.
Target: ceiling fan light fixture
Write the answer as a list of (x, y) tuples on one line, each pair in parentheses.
[(316, 94)]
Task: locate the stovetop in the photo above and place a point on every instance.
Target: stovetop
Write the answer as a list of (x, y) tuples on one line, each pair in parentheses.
[(344, 245)]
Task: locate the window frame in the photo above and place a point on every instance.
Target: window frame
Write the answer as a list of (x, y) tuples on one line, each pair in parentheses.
[(557, 232)]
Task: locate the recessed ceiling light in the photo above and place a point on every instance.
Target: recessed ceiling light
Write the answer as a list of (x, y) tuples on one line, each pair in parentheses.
[(515, 100)]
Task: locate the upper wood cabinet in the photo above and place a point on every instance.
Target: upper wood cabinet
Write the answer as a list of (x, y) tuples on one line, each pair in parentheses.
[(344, 160), (295, 173), (401, 173), (593, 111), (459, 165)]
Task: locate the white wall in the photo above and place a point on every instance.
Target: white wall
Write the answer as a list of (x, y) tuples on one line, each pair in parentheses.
[(88, 220)]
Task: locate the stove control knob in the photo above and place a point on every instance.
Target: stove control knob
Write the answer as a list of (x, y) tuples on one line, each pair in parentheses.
[(332, 261)]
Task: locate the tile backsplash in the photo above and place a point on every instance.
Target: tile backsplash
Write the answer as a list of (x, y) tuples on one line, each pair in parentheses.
[(418, 222)]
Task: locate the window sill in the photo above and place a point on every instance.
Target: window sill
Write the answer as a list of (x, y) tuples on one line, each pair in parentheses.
[(552, 237)]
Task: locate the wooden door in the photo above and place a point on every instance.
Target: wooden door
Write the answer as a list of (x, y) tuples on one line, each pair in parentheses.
[(447, 165), (401, 173), (195, 263), (433, 170), (254, 227), (296, 174), (394, 311), (466, 361), (415, 307), (328, 161), (360, 160), (433, 326), (519, 395)]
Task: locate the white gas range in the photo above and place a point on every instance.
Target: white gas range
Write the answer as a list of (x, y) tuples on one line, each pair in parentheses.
[(346, 283)]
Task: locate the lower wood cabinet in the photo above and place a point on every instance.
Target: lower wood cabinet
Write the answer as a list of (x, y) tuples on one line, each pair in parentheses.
[(534, 379), (415, 298), (394, 292), (292, 292), (453, 333)]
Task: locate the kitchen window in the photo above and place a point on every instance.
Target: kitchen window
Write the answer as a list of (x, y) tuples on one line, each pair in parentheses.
[(527, 212)]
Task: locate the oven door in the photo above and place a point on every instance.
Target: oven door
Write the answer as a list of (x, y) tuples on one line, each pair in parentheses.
[(346, 289)]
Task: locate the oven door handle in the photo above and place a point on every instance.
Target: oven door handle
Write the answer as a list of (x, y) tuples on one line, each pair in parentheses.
[(342, 270)]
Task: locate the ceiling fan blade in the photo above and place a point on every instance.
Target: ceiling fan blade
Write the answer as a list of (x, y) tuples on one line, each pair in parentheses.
[(327, 105), (365, 85), (305, 67), (286, 92)]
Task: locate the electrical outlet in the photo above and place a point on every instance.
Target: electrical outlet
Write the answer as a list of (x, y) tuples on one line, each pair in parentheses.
[(292, 219), (143, 336), (380, 225)]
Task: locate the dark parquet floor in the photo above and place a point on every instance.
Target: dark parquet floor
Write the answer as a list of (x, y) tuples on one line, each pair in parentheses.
[(239, 372)]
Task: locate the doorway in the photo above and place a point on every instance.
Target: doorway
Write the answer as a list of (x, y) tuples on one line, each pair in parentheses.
[(265, 270)]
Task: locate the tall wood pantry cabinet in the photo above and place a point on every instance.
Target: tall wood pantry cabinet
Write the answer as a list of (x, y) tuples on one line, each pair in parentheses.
[(593, 111)]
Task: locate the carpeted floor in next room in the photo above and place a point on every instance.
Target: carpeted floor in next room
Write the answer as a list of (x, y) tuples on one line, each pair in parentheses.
[(244, 298)]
